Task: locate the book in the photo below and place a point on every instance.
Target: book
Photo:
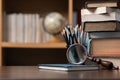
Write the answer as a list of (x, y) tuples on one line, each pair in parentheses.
[(26, 28), (99, 35), (113, 16), (32, 29), (11, 25), (94, 4), (101, 26), (99, 10), (19, 28), (107, 47), (67, 67), (37, 32), (27, 25)]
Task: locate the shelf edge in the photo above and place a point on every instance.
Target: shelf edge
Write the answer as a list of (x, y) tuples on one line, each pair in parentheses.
[(33, 45)]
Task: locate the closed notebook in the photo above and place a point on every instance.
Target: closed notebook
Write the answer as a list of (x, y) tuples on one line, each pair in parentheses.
[(67, 67)]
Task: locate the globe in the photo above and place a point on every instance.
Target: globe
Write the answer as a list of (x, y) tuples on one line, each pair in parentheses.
[(54, 23)]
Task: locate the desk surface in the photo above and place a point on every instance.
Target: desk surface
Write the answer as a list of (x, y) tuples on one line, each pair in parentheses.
[(32, 72)]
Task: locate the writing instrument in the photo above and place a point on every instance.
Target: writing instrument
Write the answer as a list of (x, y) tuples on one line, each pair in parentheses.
[(67, 41), (81, 35), (71, 39), (65, 37), (76, 32), (67, 32), (68, 35), (78, 35), (75, 38)]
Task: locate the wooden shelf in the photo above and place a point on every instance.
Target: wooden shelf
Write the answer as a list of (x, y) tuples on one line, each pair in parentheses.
[(35, 52), (33, 45)]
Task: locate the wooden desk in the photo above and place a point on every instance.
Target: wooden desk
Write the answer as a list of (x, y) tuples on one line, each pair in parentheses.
[(33, 73)]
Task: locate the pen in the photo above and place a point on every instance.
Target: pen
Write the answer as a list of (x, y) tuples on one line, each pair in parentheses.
[(65, 37), (71, 39)]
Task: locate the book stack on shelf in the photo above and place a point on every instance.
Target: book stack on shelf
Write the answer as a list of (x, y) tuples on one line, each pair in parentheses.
[(25, 28), (101, 29)]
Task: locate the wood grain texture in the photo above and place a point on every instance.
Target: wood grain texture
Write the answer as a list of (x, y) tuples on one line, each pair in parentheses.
[(70, 11), (33, 73), (1, 31), (33, 45)]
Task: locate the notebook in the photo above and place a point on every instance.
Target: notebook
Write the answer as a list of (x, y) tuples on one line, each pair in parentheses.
[(67, 67)]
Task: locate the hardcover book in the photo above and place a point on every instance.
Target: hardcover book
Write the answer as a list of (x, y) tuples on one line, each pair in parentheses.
[(109, 3), (88, 36), (106, 47), (67, 67), (98, 35), (113, 16), (102, 26), (98, 10)]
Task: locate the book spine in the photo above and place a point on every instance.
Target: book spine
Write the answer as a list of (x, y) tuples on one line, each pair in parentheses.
[(26, 28), (19, 28), (38, 36), (32, 29), (42, 33), (12, 27)]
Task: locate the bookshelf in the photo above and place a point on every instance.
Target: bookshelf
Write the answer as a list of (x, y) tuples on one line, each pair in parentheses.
[(54, 46)]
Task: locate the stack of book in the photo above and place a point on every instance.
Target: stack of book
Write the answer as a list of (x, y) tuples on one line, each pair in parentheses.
[(101, 29)]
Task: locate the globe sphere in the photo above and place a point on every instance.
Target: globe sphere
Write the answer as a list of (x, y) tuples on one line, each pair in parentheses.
[(54, 23)]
